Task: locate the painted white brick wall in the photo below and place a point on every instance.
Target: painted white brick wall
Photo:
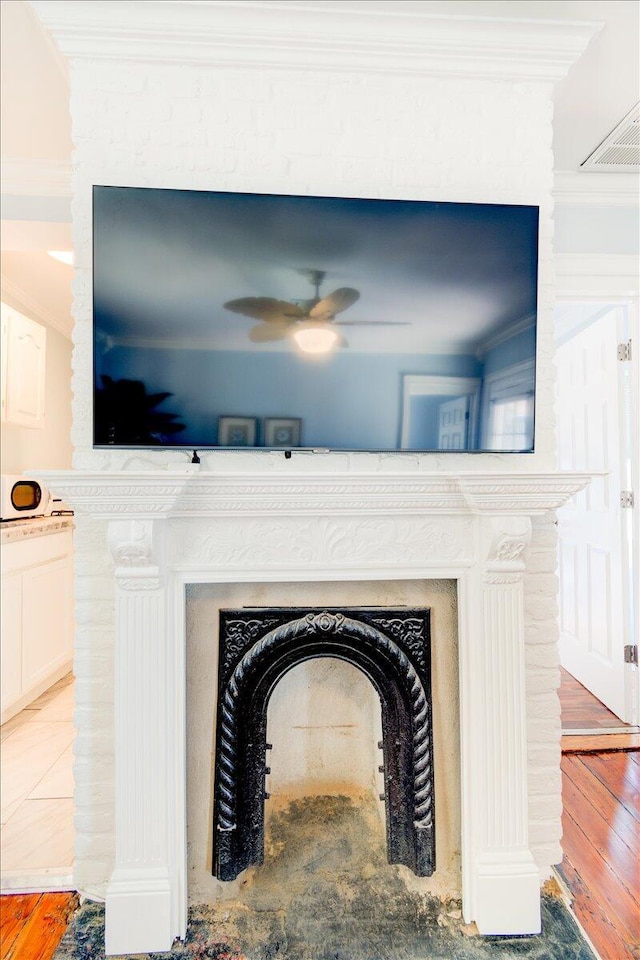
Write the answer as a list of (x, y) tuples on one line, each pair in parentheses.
[(286, 131)]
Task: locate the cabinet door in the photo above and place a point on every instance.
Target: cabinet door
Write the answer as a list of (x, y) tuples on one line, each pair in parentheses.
[(46, 620), (11, 640), (25, 344)]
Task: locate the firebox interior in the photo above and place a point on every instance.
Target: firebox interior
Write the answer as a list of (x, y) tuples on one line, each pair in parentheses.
[(257, 648)]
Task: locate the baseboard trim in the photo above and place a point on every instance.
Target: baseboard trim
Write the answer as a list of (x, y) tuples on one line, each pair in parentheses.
[(618, 743), (36, 691), (45, 880)]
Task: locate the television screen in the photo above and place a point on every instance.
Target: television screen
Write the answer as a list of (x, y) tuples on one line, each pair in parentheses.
[(235, 320)]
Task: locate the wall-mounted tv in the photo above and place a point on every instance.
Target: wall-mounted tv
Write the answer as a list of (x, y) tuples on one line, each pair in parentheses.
[(233, 320)]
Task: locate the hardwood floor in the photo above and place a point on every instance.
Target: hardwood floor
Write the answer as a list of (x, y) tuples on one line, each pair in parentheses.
[(581, 710), (601, 822), (36, 825), (601, 843), (32, 924)]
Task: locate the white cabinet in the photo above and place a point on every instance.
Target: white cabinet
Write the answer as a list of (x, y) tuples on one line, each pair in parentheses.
[(10, 642), (37, 617), (24, 345)]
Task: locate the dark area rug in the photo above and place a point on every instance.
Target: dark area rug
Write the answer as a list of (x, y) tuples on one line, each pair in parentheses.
[(326, 892)]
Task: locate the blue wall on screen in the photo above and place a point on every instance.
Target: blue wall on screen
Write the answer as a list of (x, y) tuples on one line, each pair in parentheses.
[(517, 349), (347, 400)]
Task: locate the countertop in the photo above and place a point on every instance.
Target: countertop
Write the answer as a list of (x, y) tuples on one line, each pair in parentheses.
[(12, 530)]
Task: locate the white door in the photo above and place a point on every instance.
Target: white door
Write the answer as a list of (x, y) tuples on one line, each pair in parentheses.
[(595, 621), (453, 424)]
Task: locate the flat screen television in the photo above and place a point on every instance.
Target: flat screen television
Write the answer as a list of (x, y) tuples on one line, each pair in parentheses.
[(241, 320)]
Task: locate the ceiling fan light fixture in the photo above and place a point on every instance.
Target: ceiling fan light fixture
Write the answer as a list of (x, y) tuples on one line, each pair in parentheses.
[(315, 337)]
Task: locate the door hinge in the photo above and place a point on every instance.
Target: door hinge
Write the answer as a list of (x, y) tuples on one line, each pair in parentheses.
[(624, 350), (631, 653), (626, 499)]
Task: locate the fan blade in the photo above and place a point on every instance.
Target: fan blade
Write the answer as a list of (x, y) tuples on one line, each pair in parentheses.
[(276, 330), (265, 308), (334, 303), (372, 323)]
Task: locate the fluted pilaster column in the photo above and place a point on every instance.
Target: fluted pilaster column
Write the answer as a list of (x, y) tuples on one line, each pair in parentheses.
[(139, 896), (505, 878)]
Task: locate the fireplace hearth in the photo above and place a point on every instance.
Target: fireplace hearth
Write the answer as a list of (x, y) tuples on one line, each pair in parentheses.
[(257, 648)]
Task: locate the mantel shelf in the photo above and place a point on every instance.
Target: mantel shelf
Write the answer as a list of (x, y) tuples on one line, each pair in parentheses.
[(165, 493)]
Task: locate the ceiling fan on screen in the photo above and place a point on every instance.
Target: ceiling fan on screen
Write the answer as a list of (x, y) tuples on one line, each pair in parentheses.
[(311, 323)]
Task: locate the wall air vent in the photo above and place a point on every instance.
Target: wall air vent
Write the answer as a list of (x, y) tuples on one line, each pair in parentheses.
[(621, 149)]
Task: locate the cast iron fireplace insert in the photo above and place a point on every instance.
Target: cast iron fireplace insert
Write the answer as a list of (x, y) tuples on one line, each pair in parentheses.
[(257, 647)]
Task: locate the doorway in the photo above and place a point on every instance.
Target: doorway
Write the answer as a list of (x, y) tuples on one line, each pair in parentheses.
[(597, 419)]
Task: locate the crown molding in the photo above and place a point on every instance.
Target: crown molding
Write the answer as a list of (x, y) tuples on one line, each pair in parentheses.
[(506, 333), (17, 298), (26, 177), (607, 276), (601, 189), (358, 37)]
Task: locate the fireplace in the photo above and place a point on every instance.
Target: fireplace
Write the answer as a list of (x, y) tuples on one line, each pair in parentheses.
[(168, 529), (231, 96), (257, 648)]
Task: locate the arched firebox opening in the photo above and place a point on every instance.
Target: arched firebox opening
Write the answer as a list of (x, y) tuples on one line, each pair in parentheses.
[(257, 648)]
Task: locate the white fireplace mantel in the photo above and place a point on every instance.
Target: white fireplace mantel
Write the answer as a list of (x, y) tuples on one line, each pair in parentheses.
[(169, 528), (202, 493)]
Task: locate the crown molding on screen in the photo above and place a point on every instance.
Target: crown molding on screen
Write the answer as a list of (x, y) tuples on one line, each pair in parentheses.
[(20, 300), (601, 189), (506, 333), (596, 276), (26, 177), (362, 37)]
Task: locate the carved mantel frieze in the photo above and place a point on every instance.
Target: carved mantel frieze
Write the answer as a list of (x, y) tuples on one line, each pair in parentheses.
[(320, 542)]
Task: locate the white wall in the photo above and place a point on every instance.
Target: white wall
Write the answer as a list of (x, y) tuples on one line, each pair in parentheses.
[(49, 448), (304, 132), (596, 229), (230, 127)]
